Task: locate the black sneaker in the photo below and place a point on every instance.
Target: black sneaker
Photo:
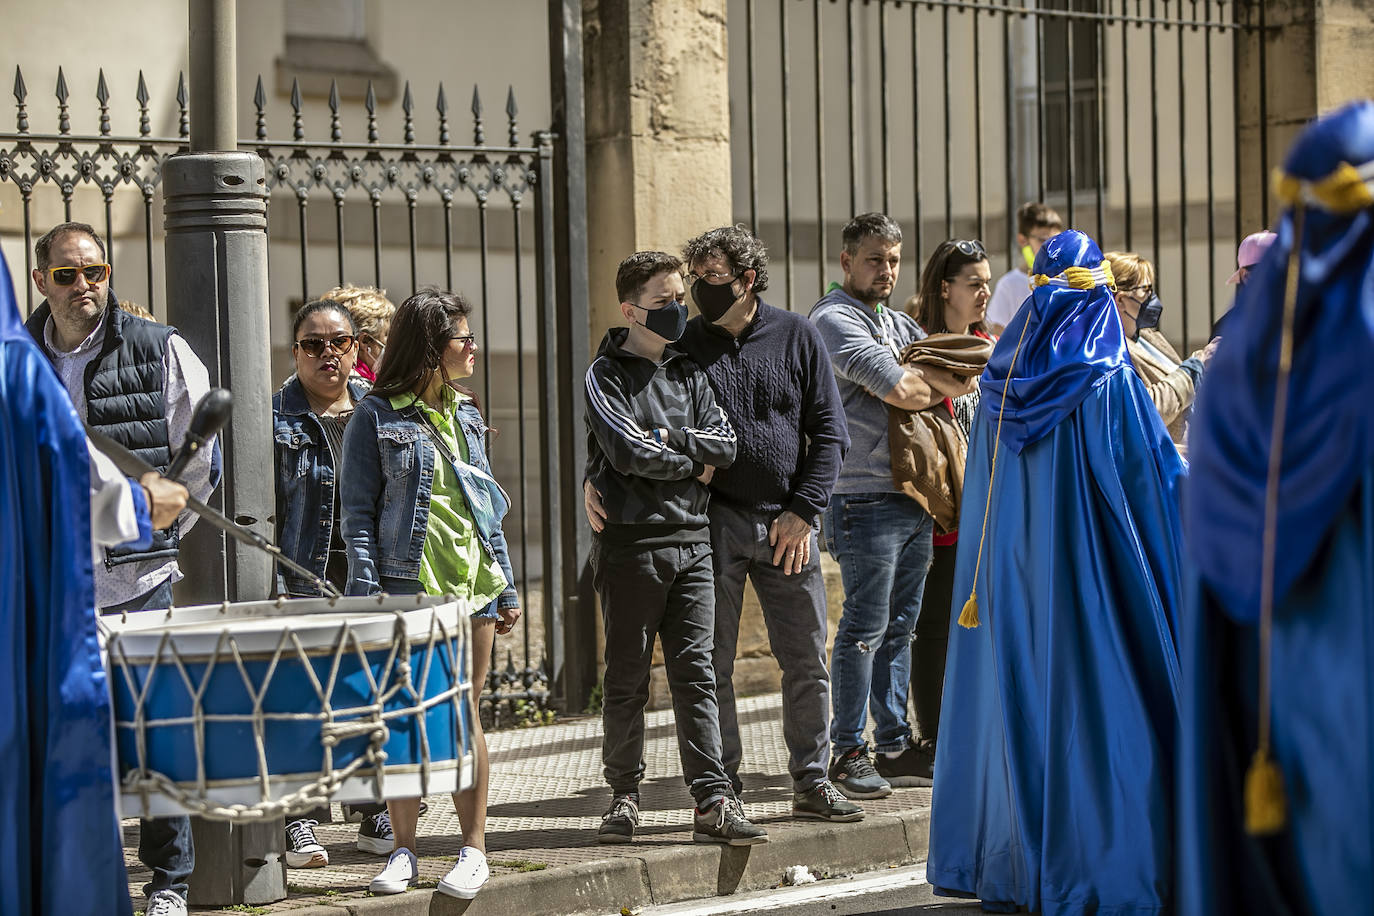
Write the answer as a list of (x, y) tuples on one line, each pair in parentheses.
[(823, 802), (375, 835), (914, 766), (853, 774), (724, 822), (620, 820), (302, 849)]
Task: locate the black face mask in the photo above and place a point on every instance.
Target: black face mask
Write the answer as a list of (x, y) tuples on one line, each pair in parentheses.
[(667, 322), (714, 301), (1148, 316)]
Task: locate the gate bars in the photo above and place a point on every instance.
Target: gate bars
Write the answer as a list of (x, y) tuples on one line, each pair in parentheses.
[(948, 114)]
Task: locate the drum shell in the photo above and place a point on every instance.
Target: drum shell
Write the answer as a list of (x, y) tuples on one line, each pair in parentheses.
[(235, 657)]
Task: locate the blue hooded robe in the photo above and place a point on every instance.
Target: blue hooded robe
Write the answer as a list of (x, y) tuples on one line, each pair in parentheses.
[(1323, 632), (1053, 773), (60, 848)]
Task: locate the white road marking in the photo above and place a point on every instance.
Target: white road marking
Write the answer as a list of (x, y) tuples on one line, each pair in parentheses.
[(779, 898)]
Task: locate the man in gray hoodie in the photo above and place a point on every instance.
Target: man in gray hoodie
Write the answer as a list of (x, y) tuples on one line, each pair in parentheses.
[(880, 537)]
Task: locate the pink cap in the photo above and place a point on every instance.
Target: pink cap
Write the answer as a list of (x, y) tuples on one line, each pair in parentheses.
[(1252, 249)]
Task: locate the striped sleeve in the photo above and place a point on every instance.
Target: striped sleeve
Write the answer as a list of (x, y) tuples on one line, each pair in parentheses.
[(630, 449), (712, 440)]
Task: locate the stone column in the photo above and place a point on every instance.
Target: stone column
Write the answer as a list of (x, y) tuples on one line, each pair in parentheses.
[(658, 132), (1310, 56)]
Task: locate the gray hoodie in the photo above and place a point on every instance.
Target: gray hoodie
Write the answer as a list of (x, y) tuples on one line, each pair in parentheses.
[(863, 344)]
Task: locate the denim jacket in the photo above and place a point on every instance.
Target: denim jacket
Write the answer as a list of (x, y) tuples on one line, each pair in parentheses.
[(387, 478), (305, 484)]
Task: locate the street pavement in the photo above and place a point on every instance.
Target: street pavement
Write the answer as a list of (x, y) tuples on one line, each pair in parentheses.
[(546, 802)]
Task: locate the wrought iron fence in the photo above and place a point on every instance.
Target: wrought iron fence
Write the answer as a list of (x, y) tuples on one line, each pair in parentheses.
[(439, 190), (947, 114)]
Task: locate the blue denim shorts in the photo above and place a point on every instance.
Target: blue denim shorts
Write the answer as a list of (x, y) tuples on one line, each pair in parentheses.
[(394, 586)]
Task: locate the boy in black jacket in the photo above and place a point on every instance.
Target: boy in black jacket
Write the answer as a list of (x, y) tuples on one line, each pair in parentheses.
[(654, 437)]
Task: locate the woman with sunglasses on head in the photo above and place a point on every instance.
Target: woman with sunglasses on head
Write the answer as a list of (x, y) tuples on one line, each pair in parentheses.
[(422, 513), (953, 297), (309, 413), (1171, 381)]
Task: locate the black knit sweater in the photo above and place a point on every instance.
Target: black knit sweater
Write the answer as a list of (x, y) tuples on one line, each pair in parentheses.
[(778, 389)]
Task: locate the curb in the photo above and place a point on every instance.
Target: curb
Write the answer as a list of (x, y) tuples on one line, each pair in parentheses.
[(660, 876)]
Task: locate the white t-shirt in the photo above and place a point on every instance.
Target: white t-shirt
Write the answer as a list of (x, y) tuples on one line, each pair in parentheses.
[(1012, 290)]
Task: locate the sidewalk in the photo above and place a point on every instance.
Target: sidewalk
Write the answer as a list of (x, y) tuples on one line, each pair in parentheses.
[(546, 802)]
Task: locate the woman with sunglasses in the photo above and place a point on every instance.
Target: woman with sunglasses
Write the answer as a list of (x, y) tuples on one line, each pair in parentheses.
[(309, 413), (421, 513), (1171, 381), (953, 299)]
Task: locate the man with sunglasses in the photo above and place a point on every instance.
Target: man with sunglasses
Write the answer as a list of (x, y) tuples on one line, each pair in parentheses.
[(137, 382)]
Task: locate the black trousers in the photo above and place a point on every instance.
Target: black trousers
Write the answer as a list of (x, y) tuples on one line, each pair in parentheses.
[(929, 642), (668, 592)]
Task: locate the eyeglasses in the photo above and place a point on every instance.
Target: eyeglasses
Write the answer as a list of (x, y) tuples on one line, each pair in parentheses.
[(66, 276), (970, 248), (1145, 292), (711, 277), (467, 339), (314, 346)]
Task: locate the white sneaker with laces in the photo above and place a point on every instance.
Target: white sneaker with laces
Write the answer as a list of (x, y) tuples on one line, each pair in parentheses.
[(303, 850), (165, 903), (399, 874), (466, 878)]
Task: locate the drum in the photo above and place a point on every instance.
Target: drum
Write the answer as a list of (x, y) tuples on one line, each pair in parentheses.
[(248, 710)]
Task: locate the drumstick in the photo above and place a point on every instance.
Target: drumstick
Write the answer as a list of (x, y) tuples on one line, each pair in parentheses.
[(136, 467)]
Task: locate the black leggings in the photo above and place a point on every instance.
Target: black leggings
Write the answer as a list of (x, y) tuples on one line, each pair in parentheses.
[(929, 641)]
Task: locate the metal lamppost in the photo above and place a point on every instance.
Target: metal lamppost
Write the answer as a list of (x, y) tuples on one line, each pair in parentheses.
[(216, 251)]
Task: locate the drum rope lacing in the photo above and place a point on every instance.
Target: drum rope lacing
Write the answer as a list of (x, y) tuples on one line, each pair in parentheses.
[(336, 725)]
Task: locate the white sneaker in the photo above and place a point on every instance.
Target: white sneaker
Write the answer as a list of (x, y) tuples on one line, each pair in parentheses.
[(399, 874), (165, 903), (303, 850), (466, 878)]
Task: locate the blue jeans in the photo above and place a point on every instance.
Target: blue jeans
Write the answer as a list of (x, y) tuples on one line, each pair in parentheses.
[(882, 543), (164, 843)]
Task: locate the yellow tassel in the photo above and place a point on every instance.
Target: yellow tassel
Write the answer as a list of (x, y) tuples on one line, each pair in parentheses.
[(968, 617), (1265, 806)]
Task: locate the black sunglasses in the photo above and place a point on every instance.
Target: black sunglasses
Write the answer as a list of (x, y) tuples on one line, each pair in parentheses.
[(66, 276), (314, 346)]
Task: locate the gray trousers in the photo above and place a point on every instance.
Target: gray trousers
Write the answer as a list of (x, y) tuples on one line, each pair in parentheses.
[(794, 613), (663, 591)]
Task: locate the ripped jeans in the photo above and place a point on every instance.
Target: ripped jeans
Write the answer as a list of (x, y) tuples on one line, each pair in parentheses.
[(883, 544)]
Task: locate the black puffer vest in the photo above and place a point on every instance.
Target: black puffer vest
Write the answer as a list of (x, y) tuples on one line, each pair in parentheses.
[(125, 400)]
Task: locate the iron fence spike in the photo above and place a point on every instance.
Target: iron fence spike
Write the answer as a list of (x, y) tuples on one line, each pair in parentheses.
[(181, 88), (370, 100), (441, 103), (296, 94), (476, 102), (21, 91), (102, 91), (142, 93), (511, 111), (61, 86), (407, 104), (64, 124), (334, 96), (259, 96), (183, 121)]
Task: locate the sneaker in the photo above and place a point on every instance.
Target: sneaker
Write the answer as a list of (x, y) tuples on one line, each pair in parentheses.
[(375, 835), (466, 877), (399, 874), (725, 822), (823, 802), (853, 774), (165, 903), (356, 814), (620, 820), (914, 766), (302, 849)]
